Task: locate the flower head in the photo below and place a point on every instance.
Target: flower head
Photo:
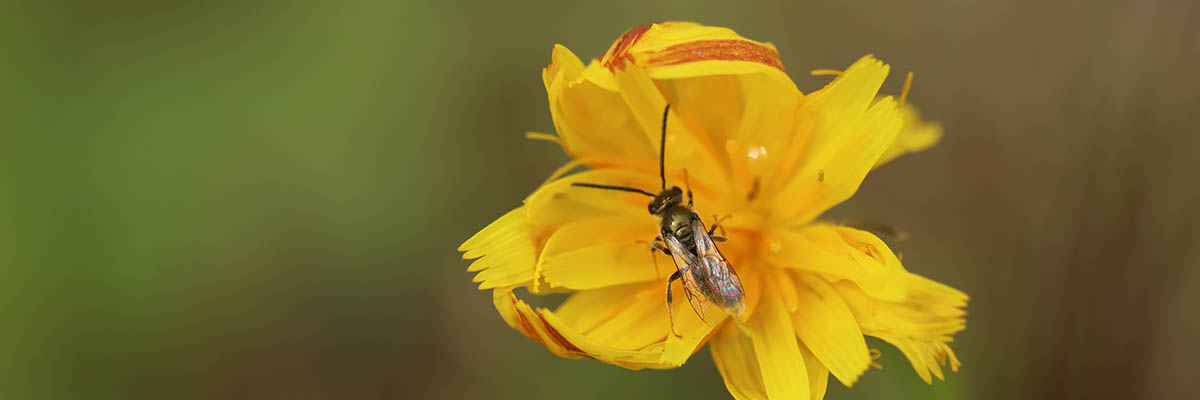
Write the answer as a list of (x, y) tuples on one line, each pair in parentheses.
[(753, 148)]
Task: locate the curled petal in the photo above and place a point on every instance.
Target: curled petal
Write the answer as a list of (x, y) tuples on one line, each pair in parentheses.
[(622, 325)]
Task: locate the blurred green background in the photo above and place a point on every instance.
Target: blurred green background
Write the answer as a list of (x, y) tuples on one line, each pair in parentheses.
[(263, 200)]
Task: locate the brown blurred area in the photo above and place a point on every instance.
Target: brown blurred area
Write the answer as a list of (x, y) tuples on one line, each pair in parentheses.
[(260, 200)]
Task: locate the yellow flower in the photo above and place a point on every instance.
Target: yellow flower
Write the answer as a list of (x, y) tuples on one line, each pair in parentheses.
[(754, 148)]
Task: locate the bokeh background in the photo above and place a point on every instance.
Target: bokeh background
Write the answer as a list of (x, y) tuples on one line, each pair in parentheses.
[(263, 200)]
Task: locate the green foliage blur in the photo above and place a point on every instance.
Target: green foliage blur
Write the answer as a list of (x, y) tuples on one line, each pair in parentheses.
[(263, 200)]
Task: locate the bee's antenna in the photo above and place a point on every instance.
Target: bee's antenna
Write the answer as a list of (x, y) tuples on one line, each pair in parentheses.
[(662, 149), (611, 187)]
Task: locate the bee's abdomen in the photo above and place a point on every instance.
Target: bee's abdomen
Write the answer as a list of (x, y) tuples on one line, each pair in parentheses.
[(685, 236)]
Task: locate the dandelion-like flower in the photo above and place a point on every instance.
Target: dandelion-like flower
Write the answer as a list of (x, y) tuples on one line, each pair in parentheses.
[(754, 150)]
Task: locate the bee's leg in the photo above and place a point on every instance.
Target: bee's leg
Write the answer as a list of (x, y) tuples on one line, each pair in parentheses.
[(688, 186), (717, 224), (670, 311), (657, 245)]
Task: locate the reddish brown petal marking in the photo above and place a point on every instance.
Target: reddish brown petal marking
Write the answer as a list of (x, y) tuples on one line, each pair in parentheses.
[(558, 337), (619, 54), (726, 49), (524, 325)]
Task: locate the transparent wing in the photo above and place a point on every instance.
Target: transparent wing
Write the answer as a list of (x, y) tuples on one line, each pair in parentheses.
[(688, 263), (721, 276)]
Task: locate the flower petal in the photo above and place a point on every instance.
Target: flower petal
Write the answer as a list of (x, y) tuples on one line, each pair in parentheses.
[(686, 150), (746, 117), (733, 353), (838, 252), (850, 130), (915, 314), (915, 135), (828, 328), (920, 325), (818, 375), (606, 251), (593, 121), (509, 251), (505, 253), (558, 203), (725, 88), (777, 349)]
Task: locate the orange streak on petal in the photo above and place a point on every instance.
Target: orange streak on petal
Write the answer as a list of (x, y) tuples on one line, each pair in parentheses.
[(619, 53), (724, 49), (558, 337)]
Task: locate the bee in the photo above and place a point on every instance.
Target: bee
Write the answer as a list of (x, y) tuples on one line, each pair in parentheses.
[(705, 273)]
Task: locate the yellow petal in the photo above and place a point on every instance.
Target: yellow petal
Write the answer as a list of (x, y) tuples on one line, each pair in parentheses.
[(504, 252), (920, 324), (607, 251), (593, 122), (558, 203), (728, 91), (749, 116), (733, 353), (827, 327), (818, 375), (851, 129), (686, 150), (915, 135), (838, 252), (818, 248), (777, 350), (915, 314), (926, 357), (920, 314), (509, 251)]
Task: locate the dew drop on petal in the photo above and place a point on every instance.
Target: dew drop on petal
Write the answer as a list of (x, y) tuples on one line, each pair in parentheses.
[(756, 152)]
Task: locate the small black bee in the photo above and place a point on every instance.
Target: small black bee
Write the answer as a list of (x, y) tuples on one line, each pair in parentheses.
[(706, 275)]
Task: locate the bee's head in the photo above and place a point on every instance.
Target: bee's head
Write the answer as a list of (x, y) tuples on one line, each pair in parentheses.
[(665, 200)]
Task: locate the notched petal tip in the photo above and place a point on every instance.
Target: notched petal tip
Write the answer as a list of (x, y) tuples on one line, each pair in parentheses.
[(504, 252)]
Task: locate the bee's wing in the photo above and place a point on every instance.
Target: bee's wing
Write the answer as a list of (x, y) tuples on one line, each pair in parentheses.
[(688, 263), (721, 276)]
